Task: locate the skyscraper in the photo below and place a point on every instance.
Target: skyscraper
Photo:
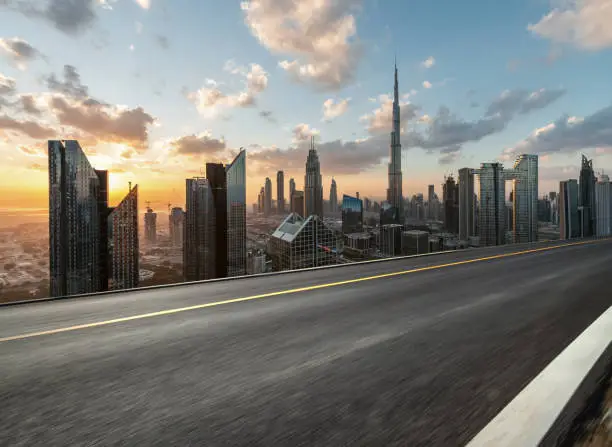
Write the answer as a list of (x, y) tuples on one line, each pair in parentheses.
[(150, 219), (569, 219), (394, 192), (217, 180), (603, 212), (492, 204), (176, 221), (430, 202), (236, 216), (587, 198), (451, 205), (268, 197), (525, 199), (313, 184), (199, 241), (74, 221), (297, 205), (280, 192), (333, 197), (123, 244), (352, 214), (466, 204)]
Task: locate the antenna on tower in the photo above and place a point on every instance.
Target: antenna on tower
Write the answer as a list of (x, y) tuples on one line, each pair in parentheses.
[(130, 186)]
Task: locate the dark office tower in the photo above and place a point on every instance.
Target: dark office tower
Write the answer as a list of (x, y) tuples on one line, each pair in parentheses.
[(394, 192), (176, 221), (492, 211), (313, 184), (150, 220), (268, 197), (217, 179), (569, 219), (280, 192), (451, 205), (430, 201), (333, 197), (525, 198), (105, 262), (236, 216), (199, 243), (75, 200), (298, 203), (352, 215), (467, 206), (291, 191), (587, 198), (261, 198), (123, 242)]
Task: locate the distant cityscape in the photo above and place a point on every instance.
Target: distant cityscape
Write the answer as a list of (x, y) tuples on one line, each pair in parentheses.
[(95, 247)]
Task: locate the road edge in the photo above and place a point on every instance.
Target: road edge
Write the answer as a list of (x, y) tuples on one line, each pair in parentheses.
[(543, 413)]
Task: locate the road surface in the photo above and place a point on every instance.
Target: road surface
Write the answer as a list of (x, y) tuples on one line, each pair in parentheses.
[(421, 351)]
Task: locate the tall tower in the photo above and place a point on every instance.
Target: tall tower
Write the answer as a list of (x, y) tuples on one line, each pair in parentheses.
[(280, 192), (268, 197), (394, 192), (333, 197), (586, 200), (313, 184), (236, 215)]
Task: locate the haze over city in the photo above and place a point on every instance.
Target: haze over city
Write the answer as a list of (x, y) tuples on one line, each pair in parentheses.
[(153, 90)]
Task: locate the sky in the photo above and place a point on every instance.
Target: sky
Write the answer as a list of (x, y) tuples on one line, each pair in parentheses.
[(154, 89)]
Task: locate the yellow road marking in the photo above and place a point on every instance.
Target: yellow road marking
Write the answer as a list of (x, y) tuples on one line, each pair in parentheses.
[(283, 292)]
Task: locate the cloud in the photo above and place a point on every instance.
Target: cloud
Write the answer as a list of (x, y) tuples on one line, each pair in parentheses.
[(427, 84), (449, 155), (32, 151), (71, 86), (8, 86), (162, 41), (29, 128), (29, 106), (303, 132), (584, 24), (144, 4), (200, 144), (69, 16), (19, 50), (568, 134), (210, 99), (333, 109), (429, 62), (318, 36), (267, 115), (380, 120), (448, 133), (37, 167)]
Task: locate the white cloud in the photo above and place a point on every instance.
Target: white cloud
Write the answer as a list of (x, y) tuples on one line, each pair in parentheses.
[(380, 120), (210, 99), (582, 23), (303, 132), (429, 62), (427, 84), (333, 109), (318, 36), (144, 4)]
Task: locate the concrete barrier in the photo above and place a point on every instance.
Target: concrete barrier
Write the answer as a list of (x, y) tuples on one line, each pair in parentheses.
[(543, 413)]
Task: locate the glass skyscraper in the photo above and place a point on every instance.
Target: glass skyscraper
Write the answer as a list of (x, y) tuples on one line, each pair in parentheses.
[(123, 246), (236, 216), (587, 198), (199, 241), (525, 199), (569, 219), (492, 204), (352, 214), (75, 198)]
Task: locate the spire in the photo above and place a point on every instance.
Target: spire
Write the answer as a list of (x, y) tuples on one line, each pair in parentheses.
[(395, 87)]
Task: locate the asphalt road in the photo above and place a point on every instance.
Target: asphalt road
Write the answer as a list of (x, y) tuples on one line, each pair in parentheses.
[(422, 357)]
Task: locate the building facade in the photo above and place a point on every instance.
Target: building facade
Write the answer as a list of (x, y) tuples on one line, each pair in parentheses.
[(150, 220), (313, 184), (395, 195), (467, 206), (123, 245), (492, 226), (236, 216), (217, 180), (333, 197), (603, 210), (280, 192), (450, 193), (268, 197), (569, 218), (199, 240), (352, 214), (176, 221), (525, 199), (587, 198)]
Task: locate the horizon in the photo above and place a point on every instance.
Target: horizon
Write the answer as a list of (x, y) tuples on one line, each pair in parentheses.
[(482, 85)]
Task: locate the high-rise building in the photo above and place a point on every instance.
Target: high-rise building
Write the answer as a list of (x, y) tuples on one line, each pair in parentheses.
[(587, 198), (297, 205), (450, 194), (302, 243), (467, 206), (280, 192), (199, 244), (394, 192), (569, 219), (217, 180), (268, 197), (91, 246), (603, 211), (261, 200), (430, 201), (74, 221), (236, 215), (150, 220), (123, 244), (525, 198), (352, 214), (333, 197), (291, 191), (176, 221), (313, 184), (492, 204)]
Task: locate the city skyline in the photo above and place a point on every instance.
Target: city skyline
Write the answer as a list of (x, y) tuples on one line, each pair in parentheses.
[(155, 125)]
